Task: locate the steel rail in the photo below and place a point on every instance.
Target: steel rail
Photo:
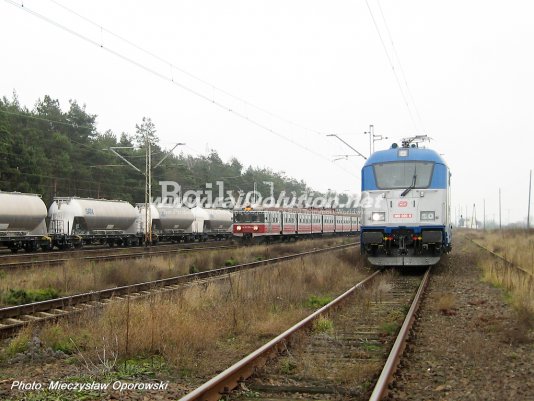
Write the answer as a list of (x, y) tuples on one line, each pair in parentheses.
[(228, 379), (104, 258), (13, 312), (390, 367), (99, 248), (521, 269)]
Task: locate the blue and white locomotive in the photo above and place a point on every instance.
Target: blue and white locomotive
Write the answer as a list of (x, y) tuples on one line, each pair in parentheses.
[(406, 219)]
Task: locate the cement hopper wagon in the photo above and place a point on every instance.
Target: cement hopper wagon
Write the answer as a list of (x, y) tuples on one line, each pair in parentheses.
[(23, 222), (77, 221)]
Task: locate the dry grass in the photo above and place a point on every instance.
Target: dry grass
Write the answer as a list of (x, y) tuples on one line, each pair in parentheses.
[(73, 278), (446, 304), (516, 246), (205, 327)]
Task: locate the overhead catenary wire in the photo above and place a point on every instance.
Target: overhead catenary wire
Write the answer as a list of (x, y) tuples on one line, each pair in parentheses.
[(46, 119), (199, 153), (392, 65), (173, 66), (70, 179), (24, 115), (396, 54), (55, 122), (176, 83)]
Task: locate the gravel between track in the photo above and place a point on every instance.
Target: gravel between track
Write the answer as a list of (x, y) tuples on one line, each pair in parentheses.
[(469, 344)]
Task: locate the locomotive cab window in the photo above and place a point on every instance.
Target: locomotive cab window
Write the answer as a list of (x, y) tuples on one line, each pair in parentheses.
[(249, 217), (405, 174)]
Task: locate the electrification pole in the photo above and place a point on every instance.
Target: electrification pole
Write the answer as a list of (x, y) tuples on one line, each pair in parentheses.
[(484, 214), (373, 138), (529, 193), (370, 133), (271, 185), (148, 190), (147, 224), (148, 179), (500, 219)]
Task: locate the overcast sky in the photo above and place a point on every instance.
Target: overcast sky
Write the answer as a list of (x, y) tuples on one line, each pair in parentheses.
[(318, 65)]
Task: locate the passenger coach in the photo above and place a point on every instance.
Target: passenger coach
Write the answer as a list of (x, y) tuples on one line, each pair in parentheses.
[(282, 224)]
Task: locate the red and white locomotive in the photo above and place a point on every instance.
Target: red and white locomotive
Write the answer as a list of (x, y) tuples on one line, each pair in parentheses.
[(276, 223)]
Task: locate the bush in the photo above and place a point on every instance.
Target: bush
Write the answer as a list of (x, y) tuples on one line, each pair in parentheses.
[(19, 297)]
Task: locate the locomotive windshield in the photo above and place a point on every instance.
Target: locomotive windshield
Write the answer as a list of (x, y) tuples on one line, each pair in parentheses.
[(402, 175), (249, 217)]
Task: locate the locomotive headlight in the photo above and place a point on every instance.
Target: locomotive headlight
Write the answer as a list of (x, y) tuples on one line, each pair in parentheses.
[(255, 228), (238, 228), (378, 216), (428, 215)]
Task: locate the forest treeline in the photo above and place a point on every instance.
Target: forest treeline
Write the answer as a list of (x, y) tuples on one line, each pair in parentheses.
[(52, 152)]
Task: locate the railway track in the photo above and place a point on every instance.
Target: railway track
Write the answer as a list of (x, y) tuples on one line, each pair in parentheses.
[(15, 317), (12, 262), (338, 364), (502, 258)]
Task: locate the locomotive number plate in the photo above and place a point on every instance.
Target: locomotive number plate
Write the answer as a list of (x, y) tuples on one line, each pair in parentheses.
[(402, 216)]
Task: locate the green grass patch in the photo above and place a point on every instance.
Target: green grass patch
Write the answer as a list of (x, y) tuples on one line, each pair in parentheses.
[(18, 344), (323, 325), (19, 297), (56, 338), (134, 368), (371, 346), (287, 365), (389, 328), (231, 262), (318, 301), (193, 269)]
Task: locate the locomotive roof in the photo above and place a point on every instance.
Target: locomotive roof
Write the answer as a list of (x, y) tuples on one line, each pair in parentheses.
[(392, 155)]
